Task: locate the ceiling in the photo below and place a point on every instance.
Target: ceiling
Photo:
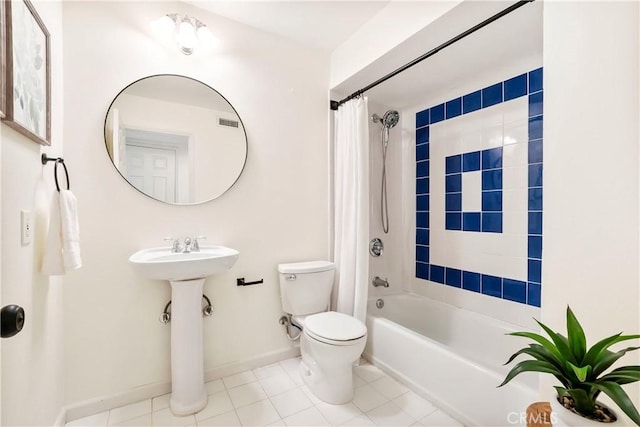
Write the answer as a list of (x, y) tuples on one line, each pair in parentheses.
[(320, 24)]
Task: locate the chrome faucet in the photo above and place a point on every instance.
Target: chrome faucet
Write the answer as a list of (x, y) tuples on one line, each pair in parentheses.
[(377, 281), (187, 245), (175, 246), (195, 246)]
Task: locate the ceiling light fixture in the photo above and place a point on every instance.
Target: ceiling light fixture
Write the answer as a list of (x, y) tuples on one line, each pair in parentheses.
[(189, 32)]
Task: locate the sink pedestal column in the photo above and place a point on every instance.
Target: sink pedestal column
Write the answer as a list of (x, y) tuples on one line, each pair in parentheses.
[(188, 393)]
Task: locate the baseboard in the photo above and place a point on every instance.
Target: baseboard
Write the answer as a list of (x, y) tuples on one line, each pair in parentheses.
[(105, 403)]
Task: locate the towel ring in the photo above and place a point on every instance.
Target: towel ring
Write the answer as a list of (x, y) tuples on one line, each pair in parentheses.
[(57, 160)]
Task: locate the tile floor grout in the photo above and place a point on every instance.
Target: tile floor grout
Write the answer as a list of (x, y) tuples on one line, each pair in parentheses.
[(381, 402)]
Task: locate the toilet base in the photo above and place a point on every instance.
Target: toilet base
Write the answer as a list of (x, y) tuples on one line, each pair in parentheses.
[(333, 385)]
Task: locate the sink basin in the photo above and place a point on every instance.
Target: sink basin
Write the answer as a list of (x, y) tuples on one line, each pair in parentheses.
[(162, 264)]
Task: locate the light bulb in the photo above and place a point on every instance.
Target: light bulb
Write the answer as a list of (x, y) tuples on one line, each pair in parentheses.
[(206, 40), (186, 37), (164, 27)]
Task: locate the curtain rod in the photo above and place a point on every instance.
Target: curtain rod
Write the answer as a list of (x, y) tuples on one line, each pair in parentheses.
[(335, 104)]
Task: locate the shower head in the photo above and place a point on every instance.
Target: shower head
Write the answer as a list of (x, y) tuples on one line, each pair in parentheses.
[(389, 120)]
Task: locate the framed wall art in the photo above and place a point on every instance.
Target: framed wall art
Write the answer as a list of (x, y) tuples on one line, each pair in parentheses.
[(27, 74)]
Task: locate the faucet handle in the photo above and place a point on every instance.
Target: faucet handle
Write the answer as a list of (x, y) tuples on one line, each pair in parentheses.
[(175, 246), (195, 246)]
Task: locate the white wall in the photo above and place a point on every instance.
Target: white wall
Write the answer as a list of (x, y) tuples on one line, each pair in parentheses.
[(32, 361), (276, 212), (394, 24), (591, 168)]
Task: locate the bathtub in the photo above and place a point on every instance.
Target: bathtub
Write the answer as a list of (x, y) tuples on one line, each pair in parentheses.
[(454, 357)]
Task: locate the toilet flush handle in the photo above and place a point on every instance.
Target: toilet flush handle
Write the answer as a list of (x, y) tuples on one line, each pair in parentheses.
[(291, 277)]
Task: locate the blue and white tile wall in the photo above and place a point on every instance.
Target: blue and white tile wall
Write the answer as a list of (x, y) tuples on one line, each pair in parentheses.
[(479, 190)]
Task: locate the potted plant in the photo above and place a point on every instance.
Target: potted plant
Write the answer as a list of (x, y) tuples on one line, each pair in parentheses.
[(581, 371)]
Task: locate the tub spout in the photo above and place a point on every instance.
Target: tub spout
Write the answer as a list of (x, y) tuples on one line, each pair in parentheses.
[(377, 281)]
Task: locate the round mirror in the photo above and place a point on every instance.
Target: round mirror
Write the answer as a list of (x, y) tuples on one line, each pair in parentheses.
[(175, 139)]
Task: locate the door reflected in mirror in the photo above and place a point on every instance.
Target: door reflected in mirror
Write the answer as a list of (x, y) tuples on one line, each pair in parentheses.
[(175, 139)]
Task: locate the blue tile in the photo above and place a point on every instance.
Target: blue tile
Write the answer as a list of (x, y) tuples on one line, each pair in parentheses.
[(422, 186), (422, 253), (535, 80), (453, 277), (453, 202), (492, 158), (535, 199), (492, 95), (492, 179), (437, 114), (472, 102), (535, 175), (471, 161), (535, 104), (422, 270), (453, 164), (453, 221), (534, 296), (514, 290), (471, 221), (471, 281), (453, 183), (535, 128), (491, 222), (535, 223), (491, 201), (422, 168), (422, 118), (436, 274), (492, 285), (422, 236), (422, 219), (422, 135), (515, 87), (535, 247), (454, 108), (422, 152), (535, 151), (534, 271), (422, 203)]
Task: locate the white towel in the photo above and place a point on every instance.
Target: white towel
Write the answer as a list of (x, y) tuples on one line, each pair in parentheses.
[(62, 249), (70, 230), (52, 263)]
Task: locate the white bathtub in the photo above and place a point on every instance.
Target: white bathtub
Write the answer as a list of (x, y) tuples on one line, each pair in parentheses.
[(452, 356)]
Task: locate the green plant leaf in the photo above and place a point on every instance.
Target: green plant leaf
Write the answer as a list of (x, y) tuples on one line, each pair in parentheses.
[(532, 366), (540, 339), (608, 359), (561, 343), (581, 373), (623, 375), (582, 401), (618, 395), (538, 352), (595, 352), (575, 336)]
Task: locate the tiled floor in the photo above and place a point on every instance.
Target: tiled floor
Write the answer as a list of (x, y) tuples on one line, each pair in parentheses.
[(274, 395)]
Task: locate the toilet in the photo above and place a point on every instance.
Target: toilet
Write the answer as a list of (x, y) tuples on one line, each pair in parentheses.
[(330, 342)]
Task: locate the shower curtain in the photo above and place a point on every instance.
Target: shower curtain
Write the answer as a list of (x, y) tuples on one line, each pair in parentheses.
[(351, 207)]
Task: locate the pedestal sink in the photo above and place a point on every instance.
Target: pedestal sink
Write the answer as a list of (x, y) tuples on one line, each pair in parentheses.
[(186, 271)]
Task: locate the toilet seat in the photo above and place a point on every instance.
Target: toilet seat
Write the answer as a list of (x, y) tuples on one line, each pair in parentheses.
[(335, 328)]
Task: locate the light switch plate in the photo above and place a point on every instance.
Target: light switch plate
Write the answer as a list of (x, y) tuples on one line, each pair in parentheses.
[(26, 225)]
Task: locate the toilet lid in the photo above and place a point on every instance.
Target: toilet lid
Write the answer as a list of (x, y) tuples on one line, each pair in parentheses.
[(335, 326)]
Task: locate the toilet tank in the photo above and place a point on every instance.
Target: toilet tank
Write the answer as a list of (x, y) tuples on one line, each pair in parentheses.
[(305, 287)]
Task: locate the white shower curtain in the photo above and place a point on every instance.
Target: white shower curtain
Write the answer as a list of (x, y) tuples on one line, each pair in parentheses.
[(351, 208)]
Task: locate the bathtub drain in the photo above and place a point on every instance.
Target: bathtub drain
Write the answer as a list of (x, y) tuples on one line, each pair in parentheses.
[(379, 303)]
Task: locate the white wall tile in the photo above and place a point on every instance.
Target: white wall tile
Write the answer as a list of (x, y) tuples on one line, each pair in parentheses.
[(515, 109), (515, 177), (492, 136), (472, 191), (472, 141), (515, 155), (515, 202), (516, 132)]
